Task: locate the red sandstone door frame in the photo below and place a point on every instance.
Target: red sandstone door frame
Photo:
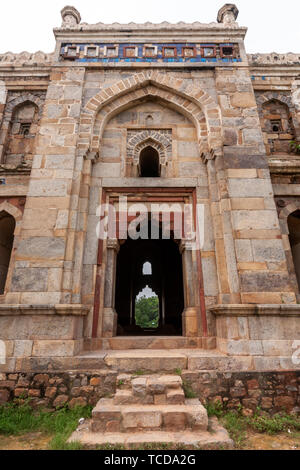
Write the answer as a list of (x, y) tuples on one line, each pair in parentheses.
[(154, 195)]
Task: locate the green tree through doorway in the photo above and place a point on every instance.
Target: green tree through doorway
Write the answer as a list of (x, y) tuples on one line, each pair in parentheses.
[(147, 312)]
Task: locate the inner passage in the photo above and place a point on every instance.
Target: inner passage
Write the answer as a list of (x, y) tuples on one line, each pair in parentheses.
[(149, 163), (149, 288)]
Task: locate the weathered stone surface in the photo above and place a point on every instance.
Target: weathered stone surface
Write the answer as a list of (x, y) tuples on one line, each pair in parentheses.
[(138, 419), (42, 248)]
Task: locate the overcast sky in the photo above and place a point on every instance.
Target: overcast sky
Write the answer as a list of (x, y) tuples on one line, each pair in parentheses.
[(27, 24)]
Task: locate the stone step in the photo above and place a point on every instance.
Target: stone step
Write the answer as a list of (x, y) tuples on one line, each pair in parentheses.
[(151, 342), (153, 383), (215, 438), (144, 360), (171, 397), (108, 417)]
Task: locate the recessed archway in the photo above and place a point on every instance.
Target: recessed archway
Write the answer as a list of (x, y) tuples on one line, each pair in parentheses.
[(196, 104)]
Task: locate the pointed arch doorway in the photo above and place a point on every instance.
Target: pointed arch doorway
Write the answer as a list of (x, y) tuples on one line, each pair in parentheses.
[(149, 298)]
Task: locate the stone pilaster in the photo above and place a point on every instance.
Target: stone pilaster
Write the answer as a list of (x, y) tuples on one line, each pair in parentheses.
[(3, 97), (110, 317), (190, 315)]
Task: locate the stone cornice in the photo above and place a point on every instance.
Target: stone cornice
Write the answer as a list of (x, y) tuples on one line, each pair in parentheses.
[(164, 31), (59, 309), (256, 310), (284, 164)]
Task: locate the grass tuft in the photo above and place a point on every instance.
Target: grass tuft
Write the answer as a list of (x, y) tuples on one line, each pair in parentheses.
[(237, 424), (188, 391), (17, 419)]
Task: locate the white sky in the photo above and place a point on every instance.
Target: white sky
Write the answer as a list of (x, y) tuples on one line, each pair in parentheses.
[(27, 24)]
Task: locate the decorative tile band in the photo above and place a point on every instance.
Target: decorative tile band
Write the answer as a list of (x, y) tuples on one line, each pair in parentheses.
[(156, 52)]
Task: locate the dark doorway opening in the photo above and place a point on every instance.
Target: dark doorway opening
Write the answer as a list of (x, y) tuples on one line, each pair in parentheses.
[(149, 163), (7, 228), (294, 236), (149, 269)]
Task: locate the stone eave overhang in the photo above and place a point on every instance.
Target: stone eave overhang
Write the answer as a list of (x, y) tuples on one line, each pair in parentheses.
[(9, 69), (275, 69), (140, 33)]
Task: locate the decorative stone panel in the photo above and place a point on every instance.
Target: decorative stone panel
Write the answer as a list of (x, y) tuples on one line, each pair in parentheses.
[(159, 139), (286, 99)]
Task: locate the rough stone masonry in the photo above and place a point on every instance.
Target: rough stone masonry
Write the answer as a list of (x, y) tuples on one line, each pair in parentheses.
[(154, 112)]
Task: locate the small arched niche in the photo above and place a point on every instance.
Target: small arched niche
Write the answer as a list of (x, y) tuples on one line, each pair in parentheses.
[(22, 132), (149, 163), (7, 228), (277, 125)]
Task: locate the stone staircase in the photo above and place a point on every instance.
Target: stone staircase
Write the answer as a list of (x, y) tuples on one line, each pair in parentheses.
[(151, 409)]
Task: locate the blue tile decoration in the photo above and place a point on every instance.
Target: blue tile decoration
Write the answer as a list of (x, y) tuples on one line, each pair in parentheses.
[(159, 58)]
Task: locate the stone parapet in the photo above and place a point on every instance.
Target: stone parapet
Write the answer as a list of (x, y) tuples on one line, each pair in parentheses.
[(274, 59), (26, 58)]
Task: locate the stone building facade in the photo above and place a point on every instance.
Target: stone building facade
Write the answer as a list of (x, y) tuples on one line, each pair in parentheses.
[(157, 113)]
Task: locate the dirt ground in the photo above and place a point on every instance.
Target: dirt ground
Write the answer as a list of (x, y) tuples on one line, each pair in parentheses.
[(31, 441), (255, 441)]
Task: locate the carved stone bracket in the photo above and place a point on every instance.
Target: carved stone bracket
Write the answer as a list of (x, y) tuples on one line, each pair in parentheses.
[(206, 156), (93, 156), (113, 244)]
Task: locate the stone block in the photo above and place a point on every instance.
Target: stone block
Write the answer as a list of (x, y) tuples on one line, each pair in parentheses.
[(29, 279), (160, 399), (230, 136), (244, 157), (268, 250), (23, 348), (42, 248), (252, 136), (174, 420), (139, 386), (4, 396), (243, 250), (170, 381), (56, 348), (49, 188), (188, 169), (175, 397), (264, 282), (124, 397), (255, 220), (60, 401), (140, 418), (106, 170), (248, 187), (243, 100)]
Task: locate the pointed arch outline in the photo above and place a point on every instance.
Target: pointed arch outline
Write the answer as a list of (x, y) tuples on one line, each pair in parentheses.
[(188, 99), (284, 99), (22, 99), (11, 210)]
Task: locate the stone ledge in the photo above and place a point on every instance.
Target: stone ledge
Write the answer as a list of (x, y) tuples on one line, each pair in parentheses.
[(149, 182), (292, 310), (59, 309)]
